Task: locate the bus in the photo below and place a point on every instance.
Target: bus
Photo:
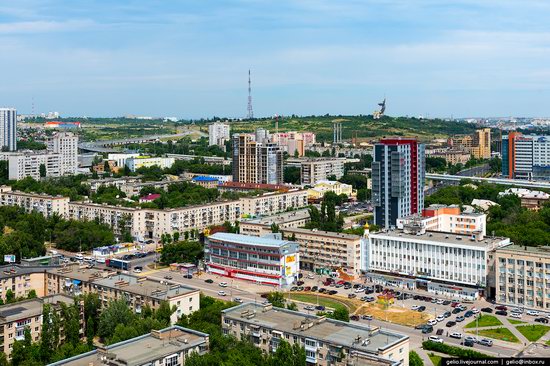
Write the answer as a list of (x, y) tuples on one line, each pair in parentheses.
[(118, 264)]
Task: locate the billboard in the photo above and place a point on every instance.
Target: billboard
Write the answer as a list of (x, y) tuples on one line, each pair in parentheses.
[(10, 258)]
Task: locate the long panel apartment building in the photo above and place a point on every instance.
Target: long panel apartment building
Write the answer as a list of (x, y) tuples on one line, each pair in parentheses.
[(326, 341), (442, 263), (526, 156), (522, 277), (14, 318)]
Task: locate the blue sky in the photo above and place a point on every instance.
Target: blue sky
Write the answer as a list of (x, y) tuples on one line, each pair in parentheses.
[(190, 58)]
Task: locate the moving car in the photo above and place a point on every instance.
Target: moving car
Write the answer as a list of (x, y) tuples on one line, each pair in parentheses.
[(366, 317), (450, 323), (501, 312), (209, 280), (435, 339), (427, 329), (352, 296), (320, 307), (238, 300), (309, 308), (354, 317), (415, 307), (455, 335), (468, 343), (223, 284), (471, 338), (167, 277), (222, 293), (138, 269)]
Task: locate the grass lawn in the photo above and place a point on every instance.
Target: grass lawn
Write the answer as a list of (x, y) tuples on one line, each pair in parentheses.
[(515, 321), (484, 321), (329, 302), (436, 360), (498, 333), (533, 332)]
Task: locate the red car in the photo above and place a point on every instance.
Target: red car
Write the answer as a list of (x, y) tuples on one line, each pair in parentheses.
[(501, 307), (307, 288), (341, 282), (454, 304), (326, 283)]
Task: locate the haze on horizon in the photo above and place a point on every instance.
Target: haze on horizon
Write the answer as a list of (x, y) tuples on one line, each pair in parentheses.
[(191, 58)]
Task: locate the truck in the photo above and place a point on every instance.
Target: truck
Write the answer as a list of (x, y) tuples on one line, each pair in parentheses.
[(118, 264)]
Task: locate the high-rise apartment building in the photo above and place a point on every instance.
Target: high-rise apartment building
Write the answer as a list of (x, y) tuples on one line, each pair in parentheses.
[(256, 162), (8, 128), (66, 145), (478, 144), (218, 134), (526, 157), (398, 174)]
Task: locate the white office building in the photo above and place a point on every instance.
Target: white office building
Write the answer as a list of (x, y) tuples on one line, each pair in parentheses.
[(443, 263), (218, 134), (8, 128)]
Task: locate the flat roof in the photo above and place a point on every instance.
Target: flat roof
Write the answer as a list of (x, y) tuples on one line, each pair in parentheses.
[(443, 237), (162, 290), (519, 249), (356, 336), (280, 218), (316, 232), (9, 271), (29, 308), (143, 349), (250, 240)]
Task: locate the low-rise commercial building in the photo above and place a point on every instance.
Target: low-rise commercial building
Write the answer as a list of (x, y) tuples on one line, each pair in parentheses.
[(15, 318), (443, 263), (134, 163), (259, 259), (326, 341), (137, 291), (317, 192), (522, 276), (444, 218), (169, 347), (206, 182), (313, 170)]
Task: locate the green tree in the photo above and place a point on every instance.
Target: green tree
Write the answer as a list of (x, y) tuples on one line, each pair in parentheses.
[(164, 312), (42, 170), (292, 306), (291, 174), (10, 296), (277, 299), (117, 312), (274, 228), (341, 313), (414, 359), (181, 251), (47, 345), (90, 331)]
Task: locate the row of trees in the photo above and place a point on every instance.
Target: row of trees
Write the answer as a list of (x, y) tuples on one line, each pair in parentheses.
[(181, 252), (24, 234), (326, 219)]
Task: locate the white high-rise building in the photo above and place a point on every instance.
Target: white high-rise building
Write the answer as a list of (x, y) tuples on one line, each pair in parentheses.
[(66, 145), (8, 128), (218, 134)]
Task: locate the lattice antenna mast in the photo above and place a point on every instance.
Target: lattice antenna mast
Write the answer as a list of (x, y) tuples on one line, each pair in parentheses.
[(250, 114)]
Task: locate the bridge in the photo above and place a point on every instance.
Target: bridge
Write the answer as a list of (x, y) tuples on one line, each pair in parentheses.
[(106, 146), (505, 181)]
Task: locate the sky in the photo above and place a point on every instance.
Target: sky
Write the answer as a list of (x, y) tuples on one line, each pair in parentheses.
[(190, 58)]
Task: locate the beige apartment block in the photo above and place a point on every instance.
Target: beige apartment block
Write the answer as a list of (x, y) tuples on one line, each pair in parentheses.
[(21, 280), (327, 342), (14, 318), (43, 203), (272, 203), (522, 277), (139, 292)]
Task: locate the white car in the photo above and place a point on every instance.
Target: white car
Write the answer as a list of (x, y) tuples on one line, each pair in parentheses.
[(516, 315), (440, 318), (432, 322), (309, 308), (532, 312), (475, 311), (238, 300), (223, 284), (100, 260), (455, 335), (310, 276), (360, 289), (470, 338), (440, 301), (415, 307), (435, 339), (137, 270), (222, 293)]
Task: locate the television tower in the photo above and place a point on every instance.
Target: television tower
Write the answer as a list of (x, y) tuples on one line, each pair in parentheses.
[(250, 114)]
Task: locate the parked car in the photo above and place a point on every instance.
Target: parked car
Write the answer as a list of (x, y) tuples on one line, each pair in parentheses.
[(516, 315), (322, 290), (332, 292), (468, 314), (439, 331), (450, 323), (542, 320), (369, 299), (447, 314), (440, 301), (446, 302), (352, 296), (487, 310), (501, 312), (359, 289), (427, 329), (300, 283), (188, 276), (415, 307), (167, 277), (455, 335), (314, 288), (209, 280), (421, 308), (320, 307), (471, 338), (432, 322), (459, 318), (532, 312), (307, 288), (223, 284), (440, 318), (421, 326), (456, 311), (435, 339), (354, 317), (366, 317), (454, 304), (468, 343), (309, 308), (486, 342), (501, 307)]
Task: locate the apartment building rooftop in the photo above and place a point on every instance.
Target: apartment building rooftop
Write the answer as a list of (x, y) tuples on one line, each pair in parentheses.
[(8, 190), (445, 238), (543, 251), (361, 337), (9, 271), (281, 218), (142, 350), (29, 308), (328, 234), (161, 290)]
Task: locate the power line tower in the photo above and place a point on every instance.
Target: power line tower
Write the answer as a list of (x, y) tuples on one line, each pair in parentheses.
[(250, 114)]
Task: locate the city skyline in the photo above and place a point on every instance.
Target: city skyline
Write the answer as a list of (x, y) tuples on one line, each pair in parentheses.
[(306, 57)]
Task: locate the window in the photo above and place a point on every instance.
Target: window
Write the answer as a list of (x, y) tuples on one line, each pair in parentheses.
[(171, 360)]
